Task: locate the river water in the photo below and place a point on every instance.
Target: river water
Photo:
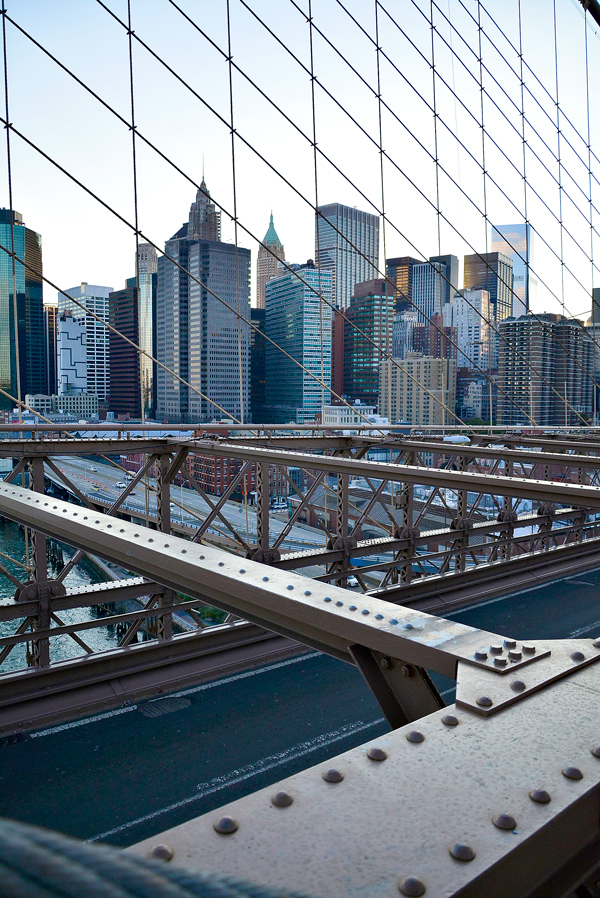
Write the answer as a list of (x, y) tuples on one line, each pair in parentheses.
[(12, 543)]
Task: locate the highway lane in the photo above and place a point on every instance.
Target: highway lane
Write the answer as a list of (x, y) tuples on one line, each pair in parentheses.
[(88, 476), (124, 776)]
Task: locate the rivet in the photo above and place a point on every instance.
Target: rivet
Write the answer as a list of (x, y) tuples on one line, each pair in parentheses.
[(166, 545), (221, 564), (282, 799), (596, 751), (365, 611), (529, 649), (411, 886), (265, 579), (415, 736), (242, 569), (409, 627), (352, 608), (327, 599), (162, 852), (504, 821), (596, 643), (450, 720), (481, 656), (332, 775), (484, 701), (339, 604), (109, 526), (307, 592), (379, 617), (573, 773), (514, 655), (517, 685), (121, 530), (540, 796), (500, 662), (496, 649), (289, 586), (150, 540), (393, 622), (202, 557), (462, 852), (377, 754), (510, 643), (577, 656), (226, 825), (384, 663)]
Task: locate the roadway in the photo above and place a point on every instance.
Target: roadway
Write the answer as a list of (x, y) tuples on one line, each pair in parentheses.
[(99, 481), (124, 775)]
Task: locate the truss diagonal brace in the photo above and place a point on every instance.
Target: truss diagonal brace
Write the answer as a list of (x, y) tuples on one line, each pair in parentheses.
[(403, 691)]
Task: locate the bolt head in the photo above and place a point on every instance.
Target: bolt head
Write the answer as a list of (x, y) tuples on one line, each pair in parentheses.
[(517, 685), (514, 655), (226, 825), (529, 649), (450, 720), (496, 649), (411, 886), (481, 656), (577, 656), (573, 773), (282, 799), (540, 796), (596, 751), (377, 754), (596, 643), (504, 821), (405, 670), (332, 775), (162, 852), (462, 852), (500, 662), (415, 736), (510, 643), (484, 701), (384, 663)]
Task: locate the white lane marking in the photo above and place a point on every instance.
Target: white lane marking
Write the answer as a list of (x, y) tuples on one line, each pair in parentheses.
[(241, 774), (241, 676), (583, 630), (448, 691), (83, 722)]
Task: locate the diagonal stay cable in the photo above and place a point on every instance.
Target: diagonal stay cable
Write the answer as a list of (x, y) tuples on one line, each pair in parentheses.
[(169, 161)]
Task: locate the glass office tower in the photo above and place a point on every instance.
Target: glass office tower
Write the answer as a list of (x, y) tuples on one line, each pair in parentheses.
[(29, 330), (146, 263), (516, 242), (347, 245)]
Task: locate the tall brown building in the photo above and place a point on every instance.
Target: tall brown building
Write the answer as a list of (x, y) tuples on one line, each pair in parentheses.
[(266, 266), (400, 272)]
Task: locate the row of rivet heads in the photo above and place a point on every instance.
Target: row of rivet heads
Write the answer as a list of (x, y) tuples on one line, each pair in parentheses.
[(408, 885), (484, 701)]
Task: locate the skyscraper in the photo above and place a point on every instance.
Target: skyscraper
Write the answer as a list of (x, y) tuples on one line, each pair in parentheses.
[(400, 272), (492, 272), (266, 265), (93, 298), (447, 268), (470, 313), (28, 333), (205, 219), (561, 387), (50, 326), (125, 393), (300, 322), (71, 354), (347, 245), (517, 242), (428, 289), (197, 336), (146, 263), (372, 311)]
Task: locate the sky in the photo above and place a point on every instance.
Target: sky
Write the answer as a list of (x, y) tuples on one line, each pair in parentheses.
[(184, 110)]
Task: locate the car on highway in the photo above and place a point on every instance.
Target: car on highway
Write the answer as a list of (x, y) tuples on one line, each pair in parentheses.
[(120, 485), (351, 581), (92, 468)]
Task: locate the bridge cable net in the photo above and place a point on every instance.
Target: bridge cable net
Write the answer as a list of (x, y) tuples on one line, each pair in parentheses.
[(352, 324)]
